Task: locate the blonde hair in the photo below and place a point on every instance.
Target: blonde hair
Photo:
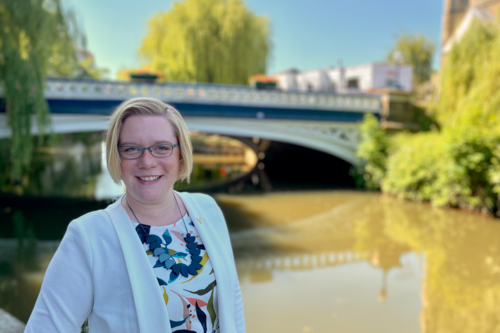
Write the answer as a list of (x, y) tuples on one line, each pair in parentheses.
[(143, 106)]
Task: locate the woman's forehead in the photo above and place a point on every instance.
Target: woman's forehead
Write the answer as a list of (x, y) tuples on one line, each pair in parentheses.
[(147, 128)]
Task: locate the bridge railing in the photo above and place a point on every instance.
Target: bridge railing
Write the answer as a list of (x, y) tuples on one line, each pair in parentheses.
[(210, 94)]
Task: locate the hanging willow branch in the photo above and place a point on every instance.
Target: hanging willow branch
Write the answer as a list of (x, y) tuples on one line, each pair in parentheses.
[(32, 33)]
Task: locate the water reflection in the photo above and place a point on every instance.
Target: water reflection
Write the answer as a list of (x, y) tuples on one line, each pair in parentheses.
[(67, 180), (400, 266), (308, 261), (68, 168), (75, 167)]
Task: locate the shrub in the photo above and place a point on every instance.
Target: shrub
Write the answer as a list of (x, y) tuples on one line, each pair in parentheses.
[(460, 165), (372, 151), (458, 169)]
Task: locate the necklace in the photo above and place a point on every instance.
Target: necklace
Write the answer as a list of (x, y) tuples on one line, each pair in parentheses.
[(163, 255)]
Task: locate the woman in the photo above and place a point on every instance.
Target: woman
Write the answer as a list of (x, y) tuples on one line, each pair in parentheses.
[(154, 261)]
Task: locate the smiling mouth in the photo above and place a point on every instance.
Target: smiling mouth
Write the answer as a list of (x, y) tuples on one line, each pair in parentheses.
[(149, 179)]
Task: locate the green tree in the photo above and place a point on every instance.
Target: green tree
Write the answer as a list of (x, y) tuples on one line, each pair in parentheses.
[(32, 31), (470, 94), (417, 52), (37, 39), (217, 41)]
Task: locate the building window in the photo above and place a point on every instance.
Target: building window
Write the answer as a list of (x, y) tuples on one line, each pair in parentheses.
[(353, 83)]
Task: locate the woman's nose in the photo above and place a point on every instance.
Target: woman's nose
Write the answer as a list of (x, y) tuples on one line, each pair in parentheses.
[(147, 160)]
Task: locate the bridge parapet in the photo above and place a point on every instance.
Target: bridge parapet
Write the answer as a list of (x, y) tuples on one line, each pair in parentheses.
[(199, 93)]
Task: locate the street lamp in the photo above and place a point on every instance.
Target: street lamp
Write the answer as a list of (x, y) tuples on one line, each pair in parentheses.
[(398, 59)]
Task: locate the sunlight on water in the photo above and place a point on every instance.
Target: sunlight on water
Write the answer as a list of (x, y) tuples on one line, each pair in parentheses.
[(359, 262), (331, 261)]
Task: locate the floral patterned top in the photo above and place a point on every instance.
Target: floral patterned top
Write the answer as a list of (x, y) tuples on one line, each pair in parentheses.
[(191, 301)]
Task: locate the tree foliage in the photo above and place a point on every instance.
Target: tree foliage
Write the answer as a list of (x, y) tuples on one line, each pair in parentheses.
[(417, 52), (32, 31), (459, 165), (470, 93), (37, 39), (218, 41)]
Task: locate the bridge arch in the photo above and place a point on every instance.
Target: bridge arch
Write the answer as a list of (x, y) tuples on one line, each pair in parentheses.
[(334, 138), (337, 139)]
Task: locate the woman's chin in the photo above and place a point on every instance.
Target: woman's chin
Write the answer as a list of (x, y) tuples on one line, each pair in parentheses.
[(150, 195)]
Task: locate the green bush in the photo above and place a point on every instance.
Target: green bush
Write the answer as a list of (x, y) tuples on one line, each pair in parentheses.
[(372, 151), (415, 166), (459, 165), (448, 169)]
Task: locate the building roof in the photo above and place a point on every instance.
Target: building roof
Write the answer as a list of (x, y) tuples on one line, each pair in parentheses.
[(292, 70)]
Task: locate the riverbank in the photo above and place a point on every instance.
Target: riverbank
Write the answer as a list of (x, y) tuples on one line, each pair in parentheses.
[(454, 161), (455, 167)]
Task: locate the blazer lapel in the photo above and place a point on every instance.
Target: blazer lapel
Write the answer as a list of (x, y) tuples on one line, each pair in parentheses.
[(150, 307), (219, 258)]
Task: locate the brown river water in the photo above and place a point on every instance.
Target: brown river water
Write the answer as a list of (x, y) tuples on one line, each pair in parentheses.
[(339, 261)]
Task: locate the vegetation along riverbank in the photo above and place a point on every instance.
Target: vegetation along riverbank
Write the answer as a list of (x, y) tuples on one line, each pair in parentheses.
[(454, 161)]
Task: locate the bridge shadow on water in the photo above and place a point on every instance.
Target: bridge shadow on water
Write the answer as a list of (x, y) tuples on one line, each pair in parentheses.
[(294, 167), (285, 167)]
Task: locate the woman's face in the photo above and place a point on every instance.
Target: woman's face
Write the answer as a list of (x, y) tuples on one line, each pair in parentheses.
[(146, 131)]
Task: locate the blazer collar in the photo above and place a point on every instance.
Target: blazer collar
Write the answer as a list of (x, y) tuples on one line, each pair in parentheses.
[(151, 311), (219, 258)]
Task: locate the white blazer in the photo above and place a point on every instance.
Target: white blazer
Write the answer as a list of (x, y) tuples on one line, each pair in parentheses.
[(101, 272)]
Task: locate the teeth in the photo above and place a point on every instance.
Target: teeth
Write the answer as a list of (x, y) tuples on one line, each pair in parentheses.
[(149, 179)]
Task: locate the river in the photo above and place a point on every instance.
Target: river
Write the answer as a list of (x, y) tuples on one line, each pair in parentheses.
[(308, 261)]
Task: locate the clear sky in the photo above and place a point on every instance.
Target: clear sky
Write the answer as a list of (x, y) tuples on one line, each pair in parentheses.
[(305, 34)]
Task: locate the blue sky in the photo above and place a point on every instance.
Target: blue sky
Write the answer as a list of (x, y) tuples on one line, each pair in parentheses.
[(305, 34)]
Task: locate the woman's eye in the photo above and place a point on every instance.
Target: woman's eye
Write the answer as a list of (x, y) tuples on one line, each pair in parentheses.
[(130, 149), (163, 148)]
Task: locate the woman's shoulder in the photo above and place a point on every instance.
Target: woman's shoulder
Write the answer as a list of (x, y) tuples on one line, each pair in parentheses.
[(203, 202), (94, 219), (91, 220), (200, 198)]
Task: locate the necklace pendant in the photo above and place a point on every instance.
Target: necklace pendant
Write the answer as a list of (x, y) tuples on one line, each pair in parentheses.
[(184, 270), (169, 263), (192, 270), (195, 252), (176, 268), (189, 239)]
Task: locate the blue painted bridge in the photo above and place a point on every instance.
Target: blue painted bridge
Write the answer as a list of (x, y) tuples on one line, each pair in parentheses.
[(327, 122)]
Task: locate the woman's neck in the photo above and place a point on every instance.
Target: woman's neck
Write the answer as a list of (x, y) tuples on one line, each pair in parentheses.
[(163, 212)]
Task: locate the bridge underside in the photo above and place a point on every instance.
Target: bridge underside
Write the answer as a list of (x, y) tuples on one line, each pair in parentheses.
[(334, 138), (289, 166)]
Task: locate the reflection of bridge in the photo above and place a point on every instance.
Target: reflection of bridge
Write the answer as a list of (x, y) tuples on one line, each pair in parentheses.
[(322, 121), (299, 261)]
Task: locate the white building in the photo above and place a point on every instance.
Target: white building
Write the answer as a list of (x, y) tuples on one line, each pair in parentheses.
[(360, 78)]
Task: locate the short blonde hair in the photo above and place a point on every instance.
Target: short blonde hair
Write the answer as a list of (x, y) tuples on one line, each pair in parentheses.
[(143, 106)]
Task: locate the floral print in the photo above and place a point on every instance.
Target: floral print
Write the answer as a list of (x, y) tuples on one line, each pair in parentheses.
[(191, 301)]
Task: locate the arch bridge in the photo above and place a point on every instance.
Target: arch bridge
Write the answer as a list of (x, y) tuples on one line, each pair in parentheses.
[(325, 122)]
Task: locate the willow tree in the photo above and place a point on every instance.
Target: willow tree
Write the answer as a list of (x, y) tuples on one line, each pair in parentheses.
[(217, 41), (32, 33)]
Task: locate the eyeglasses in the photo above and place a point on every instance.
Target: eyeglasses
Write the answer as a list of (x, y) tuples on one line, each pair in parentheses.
[(133, 152)]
